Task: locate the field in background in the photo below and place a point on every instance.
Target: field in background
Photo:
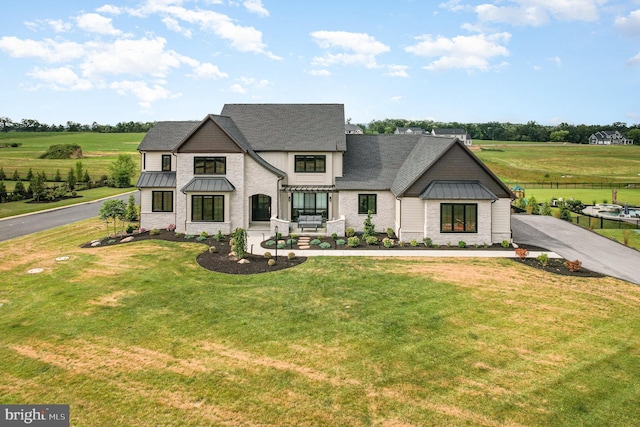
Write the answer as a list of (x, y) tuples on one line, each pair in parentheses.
[(335, 341), (517, 163), (100, 151)]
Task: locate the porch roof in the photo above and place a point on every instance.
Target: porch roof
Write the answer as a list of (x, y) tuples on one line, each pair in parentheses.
[(156, 180), (309, 188), (208, 184), (457, 190)]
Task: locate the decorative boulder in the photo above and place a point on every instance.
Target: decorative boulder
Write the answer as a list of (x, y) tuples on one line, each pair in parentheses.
[(127, 239)]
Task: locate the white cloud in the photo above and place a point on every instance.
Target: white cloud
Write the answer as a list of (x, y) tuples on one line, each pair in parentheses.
[(207, 71), (538, 12), (322, 73), (395, 99), (465, 52), (556, 60), (397, 71), (47, 50), (362, 48), (110, 9), (94, 23), (133, 57), (237, 88), (634, 61), (140, 89), (58, 25), (255, 6), (62, 78), (629, 25), (175, 26)]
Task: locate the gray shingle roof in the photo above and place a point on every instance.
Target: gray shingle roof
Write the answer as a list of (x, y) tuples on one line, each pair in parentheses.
[(156, 179), (165, 136), (208, 184), (422, 156), (457, 190), (290, 127), (372, 162)]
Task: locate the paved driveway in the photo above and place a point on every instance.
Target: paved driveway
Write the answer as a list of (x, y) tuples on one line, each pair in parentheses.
[(570, 241)]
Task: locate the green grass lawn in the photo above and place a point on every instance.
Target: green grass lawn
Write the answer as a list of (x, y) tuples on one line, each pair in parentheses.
[(632, 236), (139, 334), (562, 163), (587, 196), (22, 207), (100, 151)]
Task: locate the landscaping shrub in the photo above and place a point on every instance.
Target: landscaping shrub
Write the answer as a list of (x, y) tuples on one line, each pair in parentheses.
[(427, 242), (371, 240), (291, 242), (129, 229), (390, 233), (281, 245), (201, 238), (219, 236), (387, 243), (325, 245), (350, 232), (171, 227), (189, 236), (462, 244), (240, 237), (543, 258), (315, 242), (505, 244), (522, 253), (413, 243), (573, 266), (369, 227), (340, 242), (353, 242), (270, 243)]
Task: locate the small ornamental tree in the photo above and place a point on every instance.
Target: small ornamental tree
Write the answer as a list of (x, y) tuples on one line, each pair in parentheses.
[(113, 210), (122, 170), (19, 189), (38, 189), (2, 174), (29, 174), (79, 171), (369, 227), (3, 192), (132, 211), (57, 177), (71, 179), (16, 175), (240, 242)]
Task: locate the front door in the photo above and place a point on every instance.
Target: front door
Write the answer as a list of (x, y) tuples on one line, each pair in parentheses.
[(260, 207)]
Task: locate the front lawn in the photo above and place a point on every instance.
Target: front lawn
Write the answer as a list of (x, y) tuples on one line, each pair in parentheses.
[(139, 334)]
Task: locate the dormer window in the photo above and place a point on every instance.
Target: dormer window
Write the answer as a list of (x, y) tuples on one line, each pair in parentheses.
[(166, 163), (209, 166), (311, 163)]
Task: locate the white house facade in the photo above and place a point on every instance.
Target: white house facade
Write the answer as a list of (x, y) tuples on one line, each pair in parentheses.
[(262, 166), (609, 137)]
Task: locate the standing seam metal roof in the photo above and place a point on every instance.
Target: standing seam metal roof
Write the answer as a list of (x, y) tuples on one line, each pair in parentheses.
[(156, 180), (457, 190)]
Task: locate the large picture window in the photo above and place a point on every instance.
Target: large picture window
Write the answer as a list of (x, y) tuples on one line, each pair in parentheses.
[(366, 203), (309, 204), (311, 163), (166, 162), (458, 218), (162, 201), (207, 208), (209, 166)]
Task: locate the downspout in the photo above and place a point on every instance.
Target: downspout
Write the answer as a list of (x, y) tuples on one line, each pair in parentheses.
[(399, 199), (278, 197)]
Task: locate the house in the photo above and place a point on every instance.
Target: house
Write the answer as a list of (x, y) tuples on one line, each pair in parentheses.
[(253, 167), (349, 128), (609, 137), (409, 131), (461, 134)]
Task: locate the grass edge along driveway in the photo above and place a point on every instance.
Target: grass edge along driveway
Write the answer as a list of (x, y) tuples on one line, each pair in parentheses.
[(138, 334)]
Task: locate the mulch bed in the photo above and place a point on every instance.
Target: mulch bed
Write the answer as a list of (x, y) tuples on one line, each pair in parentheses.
[(221, 262), (218, 261)]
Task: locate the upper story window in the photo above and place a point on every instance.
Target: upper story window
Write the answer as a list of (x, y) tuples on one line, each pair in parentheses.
[(311, 163), (209, 166), (166, 162)]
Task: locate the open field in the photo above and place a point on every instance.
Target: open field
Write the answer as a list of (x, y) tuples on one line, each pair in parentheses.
[(140, 335), (99, 149), (625, 195), (517, 163)]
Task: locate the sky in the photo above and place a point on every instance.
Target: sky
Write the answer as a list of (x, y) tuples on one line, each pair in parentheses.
[(548, 61)]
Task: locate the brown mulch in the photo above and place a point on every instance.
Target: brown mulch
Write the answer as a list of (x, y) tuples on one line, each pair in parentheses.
[(219, 261)]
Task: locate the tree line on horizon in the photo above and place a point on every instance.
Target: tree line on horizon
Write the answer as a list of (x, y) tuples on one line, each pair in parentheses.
[(497, 131), (489, 131)]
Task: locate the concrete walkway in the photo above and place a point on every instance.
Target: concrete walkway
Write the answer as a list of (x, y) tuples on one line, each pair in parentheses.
[(597, 253)]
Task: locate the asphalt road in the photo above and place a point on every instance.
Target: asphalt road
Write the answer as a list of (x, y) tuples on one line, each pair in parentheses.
[(597, 253), (18, 226)]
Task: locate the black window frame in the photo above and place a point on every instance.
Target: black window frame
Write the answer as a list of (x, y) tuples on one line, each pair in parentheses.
[(213, 198), (364, 203), (165, 203), (310, 163), (210, 165), (470, 225), (166, 163)]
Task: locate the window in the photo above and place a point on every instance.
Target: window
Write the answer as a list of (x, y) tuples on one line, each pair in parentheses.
[(366, 203), (209, 166), (207, 208), (162, 201), (458, 218), (166, 162), (309, 204), (312, 163)]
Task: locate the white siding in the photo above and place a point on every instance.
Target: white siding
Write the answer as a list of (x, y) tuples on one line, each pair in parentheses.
[(153, 161), (501, 221), (383, 219), (276, 158), (310, 178)]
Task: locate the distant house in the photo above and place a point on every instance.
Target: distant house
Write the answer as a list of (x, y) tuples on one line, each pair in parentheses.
[(251, 167), (409, 131), (352, 129), (609, 137), (461, 134)]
